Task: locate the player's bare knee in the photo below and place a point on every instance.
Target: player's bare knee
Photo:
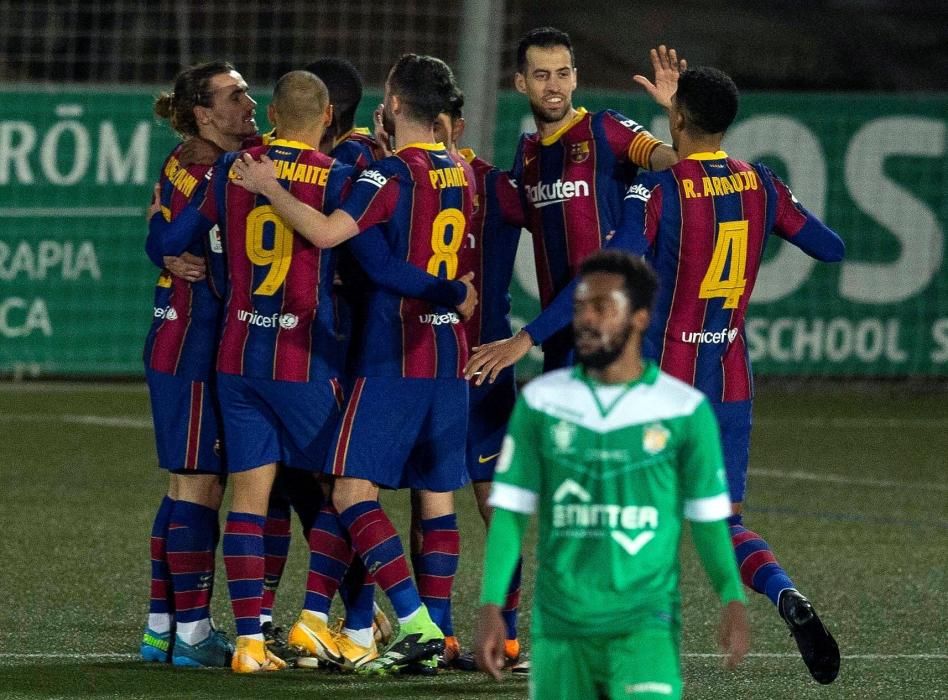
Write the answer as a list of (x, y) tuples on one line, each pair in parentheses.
[(434, 504), (347, 492)]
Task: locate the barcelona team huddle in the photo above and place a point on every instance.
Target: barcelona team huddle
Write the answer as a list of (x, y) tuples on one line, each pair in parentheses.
[(332, 319)]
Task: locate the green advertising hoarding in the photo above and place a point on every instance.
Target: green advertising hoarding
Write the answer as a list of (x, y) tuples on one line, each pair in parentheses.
[(76, 169)]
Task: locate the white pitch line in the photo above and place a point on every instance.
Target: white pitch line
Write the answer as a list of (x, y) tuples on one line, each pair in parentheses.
[(825, 478), (93, 421)]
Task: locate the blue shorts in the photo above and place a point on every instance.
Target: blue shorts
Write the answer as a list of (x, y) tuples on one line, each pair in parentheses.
[(267, 421), (187, 423), (734, 420), (404, 433), (491, 406)]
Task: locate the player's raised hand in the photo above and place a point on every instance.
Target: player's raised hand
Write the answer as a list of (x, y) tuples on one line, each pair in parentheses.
[(667, 66), (186, 266), (490, 359), (381, 135), (489, 641), (253, 175), (155, 206), (466, 307), (198, 151), (734, 634)]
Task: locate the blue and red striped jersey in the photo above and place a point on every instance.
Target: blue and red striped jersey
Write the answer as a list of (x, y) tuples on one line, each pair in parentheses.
[(490, 251), (358, 148), (572, 184), (422, 199), (705, 222), (183, 336), (278, 315)]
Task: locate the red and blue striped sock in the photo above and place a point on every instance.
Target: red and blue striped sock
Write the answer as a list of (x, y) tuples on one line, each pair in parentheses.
[(276, 548), (243, 559), (162, 597), (329, 557), (512, 602), (436, 566), (760, 570), (376, 541), (358, 595), (190, 551)]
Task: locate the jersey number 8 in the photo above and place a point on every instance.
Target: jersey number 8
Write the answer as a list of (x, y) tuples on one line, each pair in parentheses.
[(447, 234)]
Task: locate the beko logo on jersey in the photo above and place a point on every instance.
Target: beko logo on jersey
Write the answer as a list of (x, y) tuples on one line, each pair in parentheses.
[(285, 321), (439, 319), (544, 194), (638, 191), (166, 312), (373, 177), (699, 337)]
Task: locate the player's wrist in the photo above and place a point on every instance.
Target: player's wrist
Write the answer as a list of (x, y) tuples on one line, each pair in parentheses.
[(523, 335)]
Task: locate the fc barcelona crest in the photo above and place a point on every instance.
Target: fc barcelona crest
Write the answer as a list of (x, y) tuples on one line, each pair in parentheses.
[(579, 152)]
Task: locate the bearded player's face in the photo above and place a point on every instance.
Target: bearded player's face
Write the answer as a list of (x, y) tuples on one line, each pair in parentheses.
[(548, 81), (603, 322)]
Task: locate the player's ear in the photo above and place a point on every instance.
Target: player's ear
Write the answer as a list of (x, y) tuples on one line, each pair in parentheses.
[(458, 130), (395, 103), (640, 319), (202, 115), (272, 115), (520, 82), (327, 115)]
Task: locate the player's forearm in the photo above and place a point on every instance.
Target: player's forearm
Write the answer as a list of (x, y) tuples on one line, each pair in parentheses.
[(717, 557), (173, 237), (504, 542), (320, 230), (555, 317), (819, 241), (663, 157)]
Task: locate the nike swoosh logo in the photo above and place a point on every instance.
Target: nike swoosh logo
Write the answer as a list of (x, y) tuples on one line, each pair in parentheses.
[(481, 459), (527, 161)]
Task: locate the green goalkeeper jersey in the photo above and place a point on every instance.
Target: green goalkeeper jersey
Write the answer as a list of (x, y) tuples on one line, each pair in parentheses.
[(611, 471)]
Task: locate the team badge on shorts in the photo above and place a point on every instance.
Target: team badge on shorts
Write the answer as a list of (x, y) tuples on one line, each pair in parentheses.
[(655, 438), (579, 152)]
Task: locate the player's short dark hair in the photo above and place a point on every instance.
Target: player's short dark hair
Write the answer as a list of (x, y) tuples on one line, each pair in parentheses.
[(191, 89), (300, 99), (455, 108), (639, 279), (345, 88), (545, 38), (708, 98), (424, 84)]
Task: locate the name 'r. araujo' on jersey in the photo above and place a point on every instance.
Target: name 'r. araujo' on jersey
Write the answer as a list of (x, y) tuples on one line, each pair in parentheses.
[(610, 470)]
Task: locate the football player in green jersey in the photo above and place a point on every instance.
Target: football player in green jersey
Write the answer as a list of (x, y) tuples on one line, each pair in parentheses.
[(612, 455)]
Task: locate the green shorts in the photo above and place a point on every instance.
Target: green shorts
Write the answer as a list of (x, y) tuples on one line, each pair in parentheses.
[(643, 665)]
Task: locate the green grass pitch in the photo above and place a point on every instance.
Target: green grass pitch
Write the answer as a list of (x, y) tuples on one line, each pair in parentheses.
[(849, 487)]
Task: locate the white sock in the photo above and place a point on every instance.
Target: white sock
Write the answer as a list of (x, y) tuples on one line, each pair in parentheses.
[(159, 622), (409, 618), (194, 632), (258, 637), (322, 616), (265, 619), (361, 637)]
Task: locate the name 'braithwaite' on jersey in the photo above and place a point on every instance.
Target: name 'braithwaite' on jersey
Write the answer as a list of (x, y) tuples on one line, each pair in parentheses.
[(278, 318)]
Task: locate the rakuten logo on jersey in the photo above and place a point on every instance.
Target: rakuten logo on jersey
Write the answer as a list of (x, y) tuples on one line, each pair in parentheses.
[(167, 313), (544, 194), (373, 177), (699, 337), (439, 319)]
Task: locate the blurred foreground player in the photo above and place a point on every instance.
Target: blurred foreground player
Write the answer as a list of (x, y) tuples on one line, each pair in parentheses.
[(208, 101), (612, 455)]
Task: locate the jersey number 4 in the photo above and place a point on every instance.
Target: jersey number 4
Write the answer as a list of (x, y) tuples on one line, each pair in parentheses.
[(277, 257), (447, 234), (725, 276)]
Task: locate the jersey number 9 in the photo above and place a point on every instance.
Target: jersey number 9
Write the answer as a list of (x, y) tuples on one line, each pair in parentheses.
[(278, 257)]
